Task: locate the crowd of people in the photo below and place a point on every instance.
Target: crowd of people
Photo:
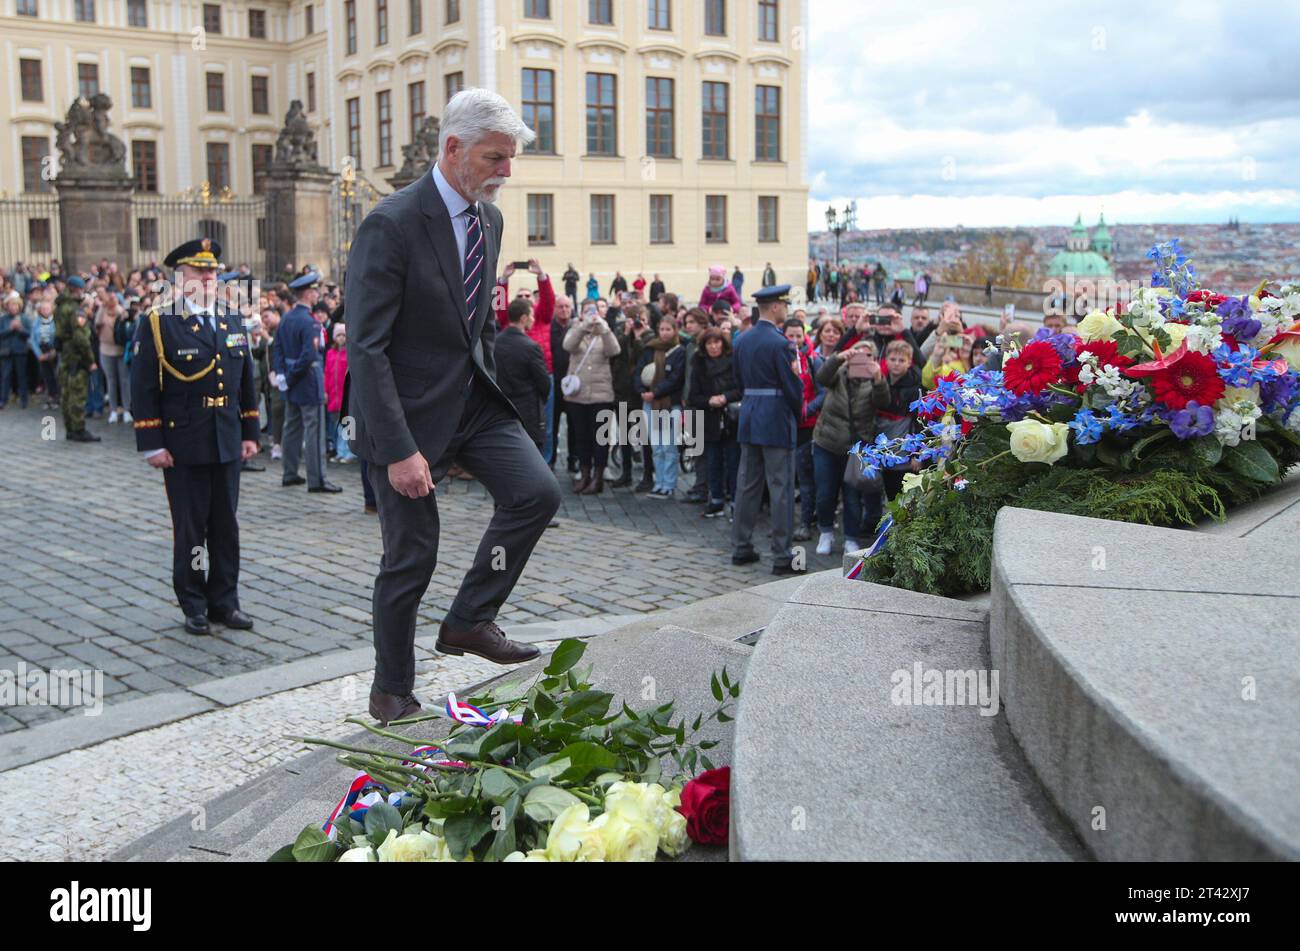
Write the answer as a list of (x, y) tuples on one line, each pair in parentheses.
[(576, 367), (845, 283)]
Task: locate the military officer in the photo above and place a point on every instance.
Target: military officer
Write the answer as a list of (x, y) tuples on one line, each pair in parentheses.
[(299, 357), (771, 402), (196, 419), (76, 359)]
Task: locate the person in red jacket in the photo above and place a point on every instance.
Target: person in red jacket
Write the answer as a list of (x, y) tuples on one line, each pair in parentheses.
[(543, 306)]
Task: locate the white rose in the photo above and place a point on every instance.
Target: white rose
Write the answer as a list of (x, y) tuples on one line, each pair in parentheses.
[(627, 839), (536, 855), (673, 839), (1098, 325), (412, 847), (1032, 441), (1176, 334), (572, 838), (362, 854)]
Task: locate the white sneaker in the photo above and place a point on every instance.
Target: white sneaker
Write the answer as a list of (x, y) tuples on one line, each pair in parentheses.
[(275, 452), (112, 417), (824, 543), (851, 545), (126, 417)]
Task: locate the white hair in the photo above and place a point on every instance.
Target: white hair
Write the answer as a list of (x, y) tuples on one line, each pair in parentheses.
[(473, 113)]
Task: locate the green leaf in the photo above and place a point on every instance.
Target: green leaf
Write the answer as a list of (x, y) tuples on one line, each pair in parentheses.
[(498, 786), (1141, 444), (715, 688), (549, 768), (652, 772), (545, 803), (584, 759), (379, 819), (1251, 460), (504, 842), (706, 762), (568, 653), (282, 854), (464, 832), (587, 705), (312, 845), (1206, 450)]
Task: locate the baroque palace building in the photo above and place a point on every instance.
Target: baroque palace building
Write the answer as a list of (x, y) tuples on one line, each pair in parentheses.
[(671, 133)]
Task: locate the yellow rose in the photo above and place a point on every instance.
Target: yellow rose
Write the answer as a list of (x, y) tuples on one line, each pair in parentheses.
[(1098, 325), (672, 835), (1032, 441), (572, 838), (363, 854), (644, 801), (627, 839), (412, 847)]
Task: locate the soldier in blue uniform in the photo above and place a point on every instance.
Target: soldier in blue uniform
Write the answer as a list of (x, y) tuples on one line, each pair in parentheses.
[(299, 357), (196, 419), (771, 402)]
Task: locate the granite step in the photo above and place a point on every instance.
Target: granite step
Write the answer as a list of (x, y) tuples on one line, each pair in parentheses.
[(828, 766), (1150, 676)]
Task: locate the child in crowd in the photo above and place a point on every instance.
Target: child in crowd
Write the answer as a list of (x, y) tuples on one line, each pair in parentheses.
[(336, 371)]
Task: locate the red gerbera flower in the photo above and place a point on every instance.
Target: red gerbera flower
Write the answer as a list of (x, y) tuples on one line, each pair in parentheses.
[(1033, 369), (1106, 352), (1193, 377)]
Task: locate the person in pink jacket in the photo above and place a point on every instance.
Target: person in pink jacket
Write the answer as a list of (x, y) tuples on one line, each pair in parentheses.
[(336, 371), (719, 289)]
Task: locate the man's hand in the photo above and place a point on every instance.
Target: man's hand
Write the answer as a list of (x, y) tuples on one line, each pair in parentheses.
[(647, 396), (248, 449), (536, 268), (161, 460), (507, 271), (718, 401), (411, 477)]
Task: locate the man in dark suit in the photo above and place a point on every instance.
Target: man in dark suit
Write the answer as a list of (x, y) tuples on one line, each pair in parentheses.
[(424, 395), (772, 401), (195, 406), (521, 370)]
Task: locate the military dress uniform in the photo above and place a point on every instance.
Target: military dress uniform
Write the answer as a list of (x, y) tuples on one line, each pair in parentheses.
[(769, 408), (193, 394), (299, 357)]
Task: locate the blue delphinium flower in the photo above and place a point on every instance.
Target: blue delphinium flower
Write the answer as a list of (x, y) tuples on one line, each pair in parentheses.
[(1192, 421), (1238, 319), (1087, 427), (1279, 391), (1119, 421)]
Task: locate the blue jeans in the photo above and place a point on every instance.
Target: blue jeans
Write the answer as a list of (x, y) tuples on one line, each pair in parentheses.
[(664, 430), (548, 423), (95, 393), (342, 451), (828, 469), (13, 372), (722, 460), (803, 465)]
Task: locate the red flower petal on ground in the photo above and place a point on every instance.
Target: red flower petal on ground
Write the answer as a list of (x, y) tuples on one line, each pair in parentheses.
[(706, 804), (1037, 365), (1194, 377)]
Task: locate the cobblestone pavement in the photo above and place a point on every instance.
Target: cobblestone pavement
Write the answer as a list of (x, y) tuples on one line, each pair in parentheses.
[(86, 582), (111, 794)]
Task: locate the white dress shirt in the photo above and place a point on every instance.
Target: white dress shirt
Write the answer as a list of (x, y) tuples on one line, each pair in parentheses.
[(456, 206)]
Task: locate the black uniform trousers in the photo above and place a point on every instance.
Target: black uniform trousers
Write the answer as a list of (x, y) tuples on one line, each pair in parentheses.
[(205, 533), (491, 443)]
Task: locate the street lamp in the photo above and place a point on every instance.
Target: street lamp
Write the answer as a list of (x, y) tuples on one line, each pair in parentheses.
[(840, 221)]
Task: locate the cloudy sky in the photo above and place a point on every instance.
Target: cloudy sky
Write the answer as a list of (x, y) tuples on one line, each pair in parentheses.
[(983, 112)]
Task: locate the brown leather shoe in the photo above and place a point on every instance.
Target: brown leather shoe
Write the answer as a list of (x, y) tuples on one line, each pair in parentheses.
[(584, 481), (596, 485), (485, 640), (391, 706)]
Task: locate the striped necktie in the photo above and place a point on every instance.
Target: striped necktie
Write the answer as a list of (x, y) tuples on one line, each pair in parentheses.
[(473, 260)]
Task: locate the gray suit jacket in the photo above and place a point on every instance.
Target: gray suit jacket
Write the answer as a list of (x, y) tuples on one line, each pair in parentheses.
[(412, 348)]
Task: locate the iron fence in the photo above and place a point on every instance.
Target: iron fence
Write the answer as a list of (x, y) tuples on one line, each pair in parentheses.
[(238, 225), (351, 200), (29, 231)]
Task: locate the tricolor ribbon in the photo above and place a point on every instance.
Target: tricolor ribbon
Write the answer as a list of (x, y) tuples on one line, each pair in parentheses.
[(875, 549), (365, 791)]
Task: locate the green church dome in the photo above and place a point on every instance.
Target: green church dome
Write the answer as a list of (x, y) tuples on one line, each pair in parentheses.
[(1083, 263)]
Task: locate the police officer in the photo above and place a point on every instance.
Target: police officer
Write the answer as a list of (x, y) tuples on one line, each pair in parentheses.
[(236, 291), (298, 357), (771, 402), (76, 359), (196, 419)]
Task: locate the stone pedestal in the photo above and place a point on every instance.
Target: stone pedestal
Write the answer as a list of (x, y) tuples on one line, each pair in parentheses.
[(95, 217), (298, 213)]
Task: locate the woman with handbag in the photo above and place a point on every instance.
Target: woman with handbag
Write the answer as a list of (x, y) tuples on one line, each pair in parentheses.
[(589, 388), (714, 390), (856, 387)]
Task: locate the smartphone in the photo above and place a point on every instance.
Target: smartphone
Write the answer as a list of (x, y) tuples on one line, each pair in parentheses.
[(880, 320), (519, 265), (953, 340)]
